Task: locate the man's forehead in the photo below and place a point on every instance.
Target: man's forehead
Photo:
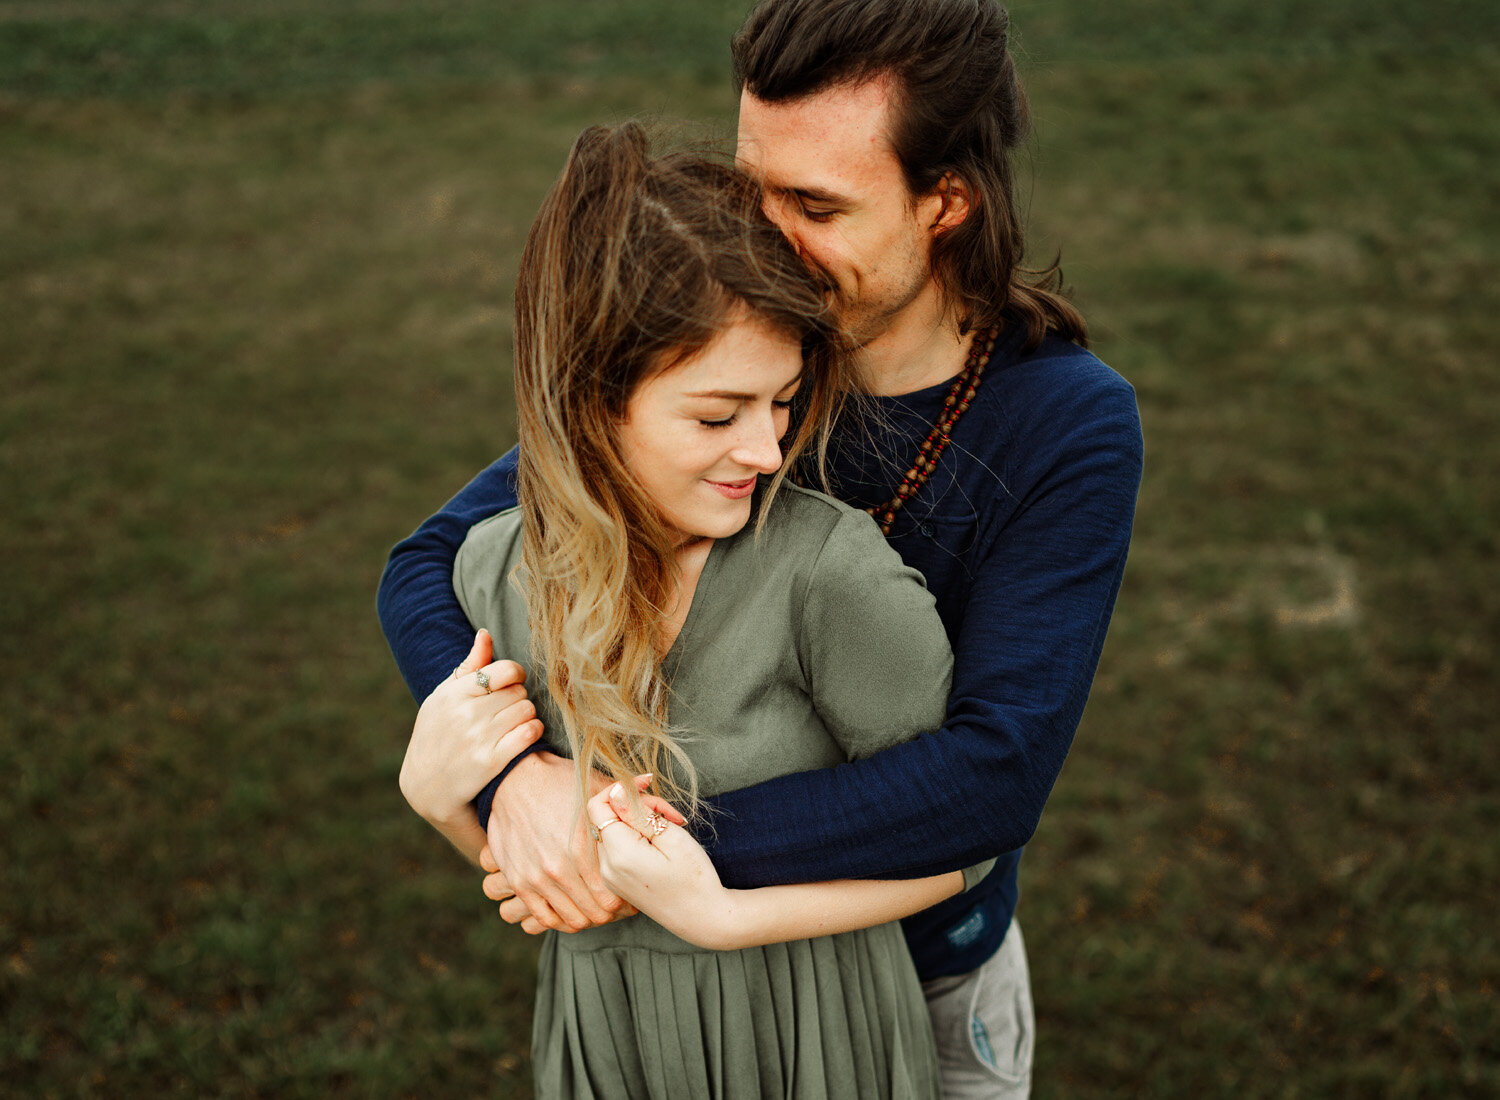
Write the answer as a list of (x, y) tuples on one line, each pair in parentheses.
[(808, 144)]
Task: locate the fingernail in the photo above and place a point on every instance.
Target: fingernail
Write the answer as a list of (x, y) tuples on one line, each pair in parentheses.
[(617, 791)]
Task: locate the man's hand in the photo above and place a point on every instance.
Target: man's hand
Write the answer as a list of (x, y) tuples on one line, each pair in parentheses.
[(467, 730), (537, 836), (514, 911)]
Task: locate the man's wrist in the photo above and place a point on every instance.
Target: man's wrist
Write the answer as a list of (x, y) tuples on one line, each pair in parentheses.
[(486, 798)]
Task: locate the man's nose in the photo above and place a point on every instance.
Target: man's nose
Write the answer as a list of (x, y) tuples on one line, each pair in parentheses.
[(780, 210)]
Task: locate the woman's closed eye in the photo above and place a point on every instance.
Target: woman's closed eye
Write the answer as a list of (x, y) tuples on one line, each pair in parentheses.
[(780, 403)]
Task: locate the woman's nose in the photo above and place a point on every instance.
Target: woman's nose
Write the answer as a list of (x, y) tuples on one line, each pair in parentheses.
[(760, 448)]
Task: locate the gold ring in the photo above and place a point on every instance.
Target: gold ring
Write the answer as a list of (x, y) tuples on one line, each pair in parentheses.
[(595, 830)]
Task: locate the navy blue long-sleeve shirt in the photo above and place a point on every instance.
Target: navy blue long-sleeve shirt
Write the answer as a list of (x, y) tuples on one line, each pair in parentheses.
[(1021, 534)]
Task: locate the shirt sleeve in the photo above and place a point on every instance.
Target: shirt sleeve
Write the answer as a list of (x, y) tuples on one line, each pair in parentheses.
[(1024, 659), (419, 612)]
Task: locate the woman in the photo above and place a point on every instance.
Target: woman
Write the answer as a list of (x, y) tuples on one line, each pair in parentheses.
[(664, 330)]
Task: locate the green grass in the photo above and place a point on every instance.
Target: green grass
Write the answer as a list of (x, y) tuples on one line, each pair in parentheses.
[(255, 267), (229, 49)]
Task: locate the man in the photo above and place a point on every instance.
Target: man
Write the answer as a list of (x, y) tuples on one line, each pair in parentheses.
[(882, 131)]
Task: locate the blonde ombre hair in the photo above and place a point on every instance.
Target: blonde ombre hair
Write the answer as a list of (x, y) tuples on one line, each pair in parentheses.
[(634, 263)]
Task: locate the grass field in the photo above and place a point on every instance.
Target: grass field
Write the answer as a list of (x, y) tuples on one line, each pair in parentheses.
[(255, 268)]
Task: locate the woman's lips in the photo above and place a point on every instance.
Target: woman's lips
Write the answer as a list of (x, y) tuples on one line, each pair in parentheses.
[(735, 490)]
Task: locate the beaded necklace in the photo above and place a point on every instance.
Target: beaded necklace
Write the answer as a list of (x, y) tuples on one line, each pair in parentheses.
[(954, 406)]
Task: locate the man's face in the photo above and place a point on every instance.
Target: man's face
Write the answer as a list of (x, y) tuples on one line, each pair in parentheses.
[(834, 186)]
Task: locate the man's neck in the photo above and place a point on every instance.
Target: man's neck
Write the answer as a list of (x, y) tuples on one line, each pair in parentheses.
[(921, 348)]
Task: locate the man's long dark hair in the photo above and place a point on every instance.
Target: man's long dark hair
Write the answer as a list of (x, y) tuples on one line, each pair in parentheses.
[(958, 109)]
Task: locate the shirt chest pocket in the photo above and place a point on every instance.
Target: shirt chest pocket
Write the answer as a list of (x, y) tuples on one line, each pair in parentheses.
[(950, 534), (941, 546)]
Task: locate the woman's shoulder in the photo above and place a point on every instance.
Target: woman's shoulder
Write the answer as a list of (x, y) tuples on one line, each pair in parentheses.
[(808, 530), (810, 517), (495, 535), (820, 540), (489, 550)]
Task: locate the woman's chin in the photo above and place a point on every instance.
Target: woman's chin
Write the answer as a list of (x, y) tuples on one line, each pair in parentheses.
[(728, 518)]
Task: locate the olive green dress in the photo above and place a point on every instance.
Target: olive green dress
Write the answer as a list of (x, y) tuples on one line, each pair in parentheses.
[(806, 646)]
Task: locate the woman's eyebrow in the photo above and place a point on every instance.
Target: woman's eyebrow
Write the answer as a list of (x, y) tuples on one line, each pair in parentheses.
[(732, 395), (727, 395)]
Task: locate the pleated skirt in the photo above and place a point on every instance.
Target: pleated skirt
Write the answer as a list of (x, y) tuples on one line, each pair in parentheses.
[(835, 1018)]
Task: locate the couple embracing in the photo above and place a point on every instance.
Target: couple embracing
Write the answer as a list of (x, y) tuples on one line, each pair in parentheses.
[(799, 578)]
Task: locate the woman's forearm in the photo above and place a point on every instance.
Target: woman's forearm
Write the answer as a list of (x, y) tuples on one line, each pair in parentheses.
[(732, 919), (774, 914), (464, 834), (667, 875)]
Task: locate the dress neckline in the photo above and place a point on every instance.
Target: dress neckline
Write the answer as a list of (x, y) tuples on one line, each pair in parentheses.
[(673, 656)]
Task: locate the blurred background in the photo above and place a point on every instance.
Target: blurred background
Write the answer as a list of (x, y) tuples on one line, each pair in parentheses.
[(256, 261)]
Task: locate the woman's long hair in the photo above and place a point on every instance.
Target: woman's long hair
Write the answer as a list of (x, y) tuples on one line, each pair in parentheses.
[(635, 263)]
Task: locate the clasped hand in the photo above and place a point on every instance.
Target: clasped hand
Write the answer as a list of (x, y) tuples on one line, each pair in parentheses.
[(665, 873)]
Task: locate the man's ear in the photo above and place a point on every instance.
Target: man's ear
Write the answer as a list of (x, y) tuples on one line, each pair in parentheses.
[(953, 206)]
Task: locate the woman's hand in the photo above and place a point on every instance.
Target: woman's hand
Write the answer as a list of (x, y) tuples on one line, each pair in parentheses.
[(467, 730), (656, 865)]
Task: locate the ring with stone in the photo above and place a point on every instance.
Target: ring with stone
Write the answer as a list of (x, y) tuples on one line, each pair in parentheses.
[(482, 680), (595, 831)]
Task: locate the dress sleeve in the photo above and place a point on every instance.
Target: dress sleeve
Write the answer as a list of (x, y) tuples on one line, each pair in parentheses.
[(1024, 658), (872, 646), (423, 623)]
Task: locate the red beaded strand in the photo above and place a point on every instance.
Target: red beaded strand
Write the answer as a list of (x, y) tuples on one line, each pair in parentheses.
[(960, 394)]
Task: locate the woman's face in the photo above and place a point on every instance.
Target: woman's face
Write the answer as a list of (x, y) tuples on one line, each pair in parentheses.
[(696, 436)]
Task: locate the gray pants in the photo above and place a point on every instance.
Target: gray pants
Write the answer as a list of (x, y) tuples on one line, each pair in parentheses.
[(985, 1026)]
